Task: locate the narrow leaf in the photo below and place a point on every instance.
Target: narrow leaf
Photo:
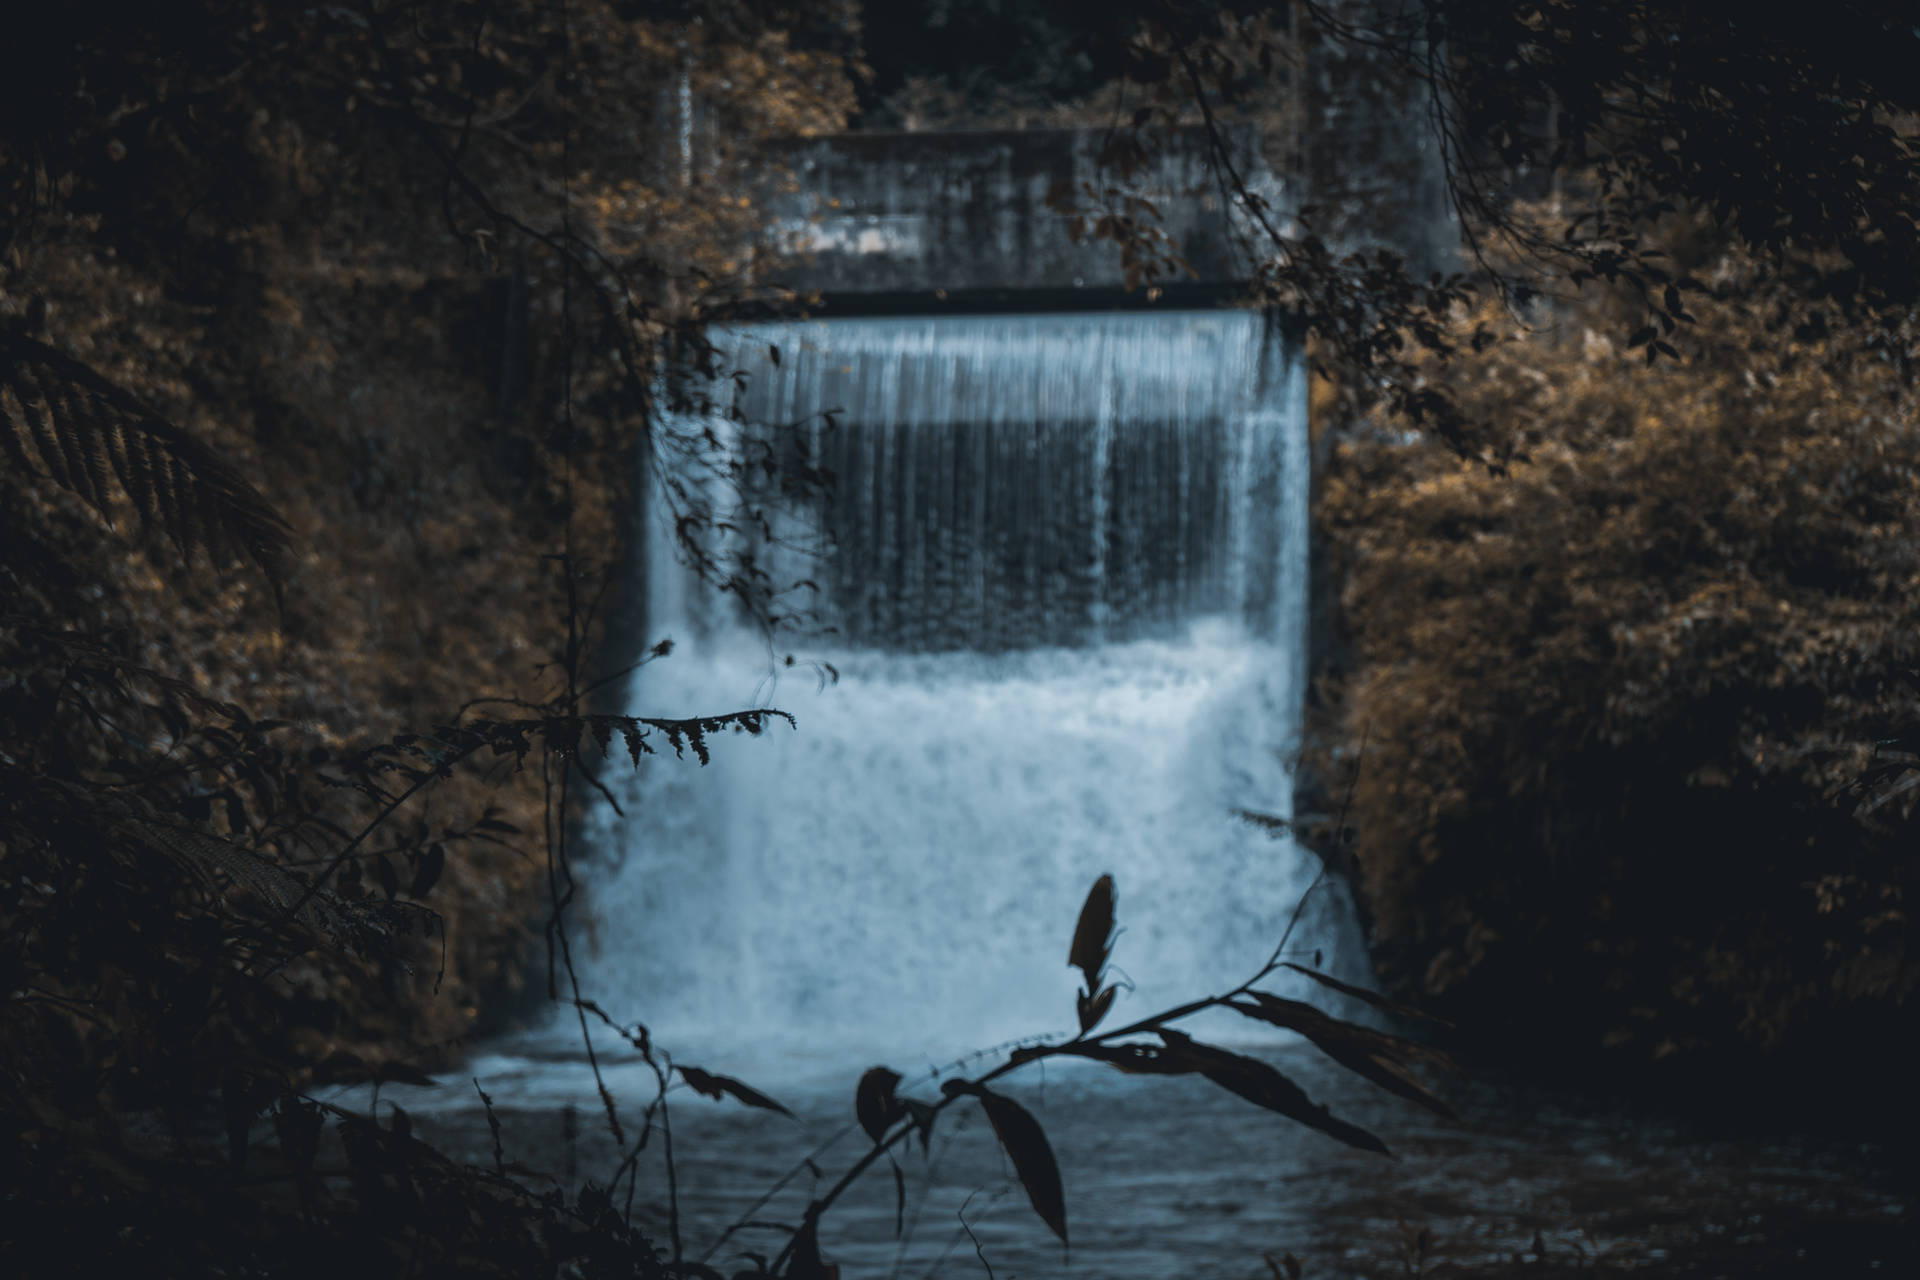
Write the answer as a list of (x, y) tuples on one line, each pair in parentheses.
[(874, 1105), (1365, 1052), (636, 745), (716, 1087), (13, 439), (402, 1073), (1263, 1086), (804, 1261), (1091, 1011), (46, 438), (493, 1127), (923, 1116), (188, 521), (1373, 998), (1319, 1026), (1033, 1163), (1093, 935)]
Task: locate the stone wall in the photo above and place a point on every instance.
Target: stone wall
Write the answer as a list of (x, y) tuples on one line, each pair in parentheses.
[(1374, 176), (937, 221)]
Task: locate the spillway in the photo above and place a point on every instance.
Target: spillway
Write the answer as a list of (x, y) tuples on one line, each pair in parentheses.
[(1061, 577)]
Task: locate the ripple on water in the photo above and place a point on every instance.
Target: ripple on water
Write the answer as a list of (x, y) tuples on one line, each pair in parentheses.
[(1172, 1177)]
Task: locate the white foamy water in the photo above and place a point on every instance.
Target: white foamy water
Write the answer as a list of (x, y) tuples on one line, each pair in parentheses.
[(1065, 599)]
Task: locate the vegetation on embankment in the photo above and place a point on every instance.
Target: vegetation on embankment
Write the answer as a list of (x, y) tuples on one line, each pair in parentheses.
[(328, 336), (369, 268), (364, 307), (1637, 684)]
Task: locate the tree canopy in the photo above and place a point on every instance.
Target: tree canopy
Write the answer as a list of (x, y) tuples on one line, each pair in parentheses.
[(1627, 703), (1795, 137)]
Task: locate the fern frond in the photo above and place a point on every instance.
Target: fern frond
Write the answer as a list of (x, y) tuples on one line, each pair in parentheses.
[(89, 662), (61, 419), (417, 756), (365, 928)]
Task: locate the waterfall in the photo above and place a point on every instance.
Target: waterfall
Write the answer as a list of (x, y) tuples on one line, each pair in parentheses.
[(1061, 576)]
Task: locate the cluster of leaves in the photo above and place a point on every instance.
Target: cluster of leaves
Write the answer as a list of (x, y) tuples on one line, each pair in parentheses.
[(1783, 627), (1794, 147), (190, 925), (307, 1189), (1152, 1045), (315, 248), (99, 442), (1621, 700), (235, 239), (327, 294)]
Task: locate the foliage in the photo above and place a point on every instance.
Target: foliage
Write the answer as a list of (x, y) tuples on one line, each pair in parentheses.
[(1797, 146), (366, 297), (319, 248), (237, 238), (387, 300), (1635, 110), (1614, 692), (88, 434), (892, 1119)]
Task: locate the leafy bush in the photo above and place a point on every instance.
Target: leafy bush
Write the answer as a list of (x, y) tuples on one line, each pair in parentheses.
[(1618, 676)]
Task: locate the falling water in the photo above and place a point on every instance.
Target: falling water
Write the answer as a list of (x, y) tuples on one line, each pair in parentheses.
[(1062, 580), (1065, 593)]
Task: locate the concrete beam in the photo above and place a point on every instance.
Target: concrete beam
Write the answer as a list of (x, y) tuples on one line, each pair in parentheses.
[(931, 222)]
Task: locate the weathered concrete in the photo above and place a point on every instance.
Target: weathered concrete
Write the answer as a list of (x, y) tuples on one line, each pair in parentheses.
[(932, 221), (1374, 174)]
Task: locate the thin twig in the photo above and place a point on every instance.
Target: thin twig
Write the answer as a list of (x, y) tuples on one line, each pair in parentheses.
[(1339, 836), (979, 1252)]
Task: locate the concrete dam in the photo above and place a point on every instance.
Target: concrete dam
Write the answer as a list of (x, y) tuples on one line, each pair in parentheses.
[(1059, 584)]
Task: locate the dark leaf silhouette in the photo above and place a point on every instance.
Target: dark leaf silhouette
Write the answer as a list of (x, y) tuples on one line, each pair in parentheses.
[(804, 1261), (716, 1087), (85, 432), (493, 1128), (1373, 998), (1091, 1011), (923, 1116), (1267, 822), (1379, 1057), (1093, 935), (1033, 1163), (298, 1125), (564, 733), (1263, 1086), (874, 1105)]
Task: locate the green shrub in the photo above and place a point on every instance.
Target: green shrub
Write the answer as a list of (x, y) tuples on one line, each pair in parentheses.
[(1616, 686)]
